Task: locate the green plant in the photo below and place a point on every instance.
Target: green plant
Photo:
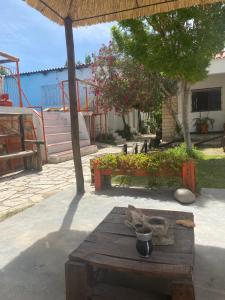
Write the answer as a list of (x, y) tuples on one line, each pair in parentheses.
[(170, 159), (182, 152), (106, 138), (126, 133), (143, 127), (199, 122)]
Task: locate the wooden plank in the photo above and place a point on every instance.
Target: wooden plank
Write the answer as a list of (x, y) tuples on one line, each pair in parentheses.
[(153, 212), (161, 270), (76, 281), (119, 219), (11, 135), (10, 57), (125, 248), (34, 142), (183, 291), (20, 154), (109, 292), (183, 239)]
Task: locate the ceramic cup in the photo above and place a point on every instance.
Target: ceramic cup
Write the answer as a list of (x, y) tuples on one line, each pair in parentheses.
[(144, 244)]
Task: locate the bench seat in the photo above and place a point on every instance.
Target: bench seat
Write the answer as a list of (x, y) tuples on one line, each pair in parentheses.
[(21, 154)]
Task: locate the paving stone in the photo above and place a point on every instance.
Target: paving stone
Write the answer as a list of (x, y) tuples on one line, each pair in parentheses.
[(14, 202), (7, 194), (36, 198), (3, 208), (21, 190)]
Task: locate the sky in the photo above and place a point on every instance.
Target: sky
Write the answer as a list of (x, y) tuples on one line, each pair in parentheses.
[(39, 42)]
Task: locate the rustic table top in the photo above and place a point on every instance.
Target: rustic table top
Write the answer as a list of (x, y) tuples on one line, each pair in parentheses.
[(112, 245)]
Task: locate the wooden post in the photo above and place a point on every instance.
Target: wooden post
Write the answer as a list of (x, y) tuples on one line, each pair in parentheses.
[(76, 281), (22, 139), (73, 105), (189, 176), (98, 178), (78, 95), (86, 98), (18, 83)]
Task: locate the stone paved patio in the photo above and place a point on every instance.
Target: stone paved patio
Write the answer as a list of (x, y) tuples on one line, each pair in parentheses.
[(24, 189)]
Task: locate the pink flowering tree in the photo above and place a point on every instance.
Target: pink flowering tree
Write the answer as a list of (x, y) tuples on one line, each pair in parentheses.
[(120, 82)]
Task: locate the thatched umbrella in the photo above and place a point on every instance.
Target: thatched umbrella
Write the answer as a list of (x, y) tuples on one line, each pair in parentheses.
[(74, 13)]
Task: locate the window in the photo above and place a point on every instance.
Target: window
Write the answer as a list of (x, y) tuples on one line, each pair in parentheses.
[(206, 100)]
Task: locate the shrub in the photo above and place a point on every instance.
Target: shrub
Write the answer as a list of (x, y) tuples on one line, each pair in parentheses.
[(106, 138), (126, 133), (170, 159), (182, 152)]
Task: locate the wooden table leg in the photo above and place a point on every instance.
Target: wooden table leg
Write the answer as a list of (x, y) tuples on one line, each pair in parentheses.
[(76, 281), (183, 291)]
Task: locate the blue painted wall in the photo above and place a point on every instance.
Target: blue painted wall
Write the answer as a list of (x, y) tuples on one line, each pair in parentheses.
[(41, 88)]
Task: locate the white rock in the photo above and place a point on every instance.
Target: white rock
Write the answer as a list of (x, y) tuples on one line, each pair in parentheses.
[(184, 196)]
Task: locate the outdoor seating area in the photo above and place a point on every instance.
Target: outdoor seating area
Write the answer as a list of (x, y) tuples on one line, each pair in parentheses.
[(54, 228), (93, 267)]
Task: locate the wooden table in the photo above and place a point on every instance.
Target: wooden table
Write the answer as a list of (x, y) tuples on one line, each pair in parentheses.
[(107, 263)]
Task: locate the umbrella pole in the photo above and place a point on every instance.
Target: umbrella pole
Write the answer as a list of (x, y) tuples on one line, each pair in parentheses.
[(73, 105)]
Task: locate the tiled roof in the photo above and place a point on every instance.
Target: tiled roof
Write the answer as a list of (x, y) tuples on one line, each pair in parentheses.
[(59, 69)]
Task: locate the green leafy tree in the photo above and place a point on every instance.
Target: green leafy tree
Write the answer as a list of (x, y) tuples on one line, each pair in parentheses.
[(179, 44), (87, 59), (3, 71), (122, 83)]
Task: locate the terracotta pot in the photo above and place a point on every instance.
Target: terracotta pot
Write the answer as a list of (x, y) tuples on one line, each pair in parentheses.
[(204, 128)]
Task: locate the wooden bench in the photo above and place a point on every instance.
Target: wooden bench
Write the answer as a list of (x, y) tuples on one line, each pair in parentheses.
[(32, 158)]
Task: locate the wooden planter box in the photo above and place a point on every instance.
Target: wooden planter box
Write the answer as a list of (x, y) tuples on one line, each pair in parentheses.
[(187, 174)]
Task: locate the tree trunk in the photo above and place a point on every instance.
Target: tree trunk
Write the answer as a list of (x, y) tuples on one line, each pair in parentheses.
[(168, 105), (185, 101), (73, 106), (139, 120), (124, 122)]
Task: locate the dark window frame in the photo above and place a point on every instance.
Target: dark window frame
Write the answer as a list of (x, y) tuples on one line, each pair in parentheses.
[(218, 106)]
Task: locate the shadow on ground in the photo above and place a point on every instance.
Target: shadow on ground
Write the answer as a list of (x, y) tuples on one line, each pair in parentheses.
[(204, 197), (38, 272), (136, 192)]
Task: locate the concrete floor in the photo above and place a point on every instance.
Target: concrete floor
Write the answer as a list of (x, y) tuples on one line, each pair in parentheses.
[(36, 242)]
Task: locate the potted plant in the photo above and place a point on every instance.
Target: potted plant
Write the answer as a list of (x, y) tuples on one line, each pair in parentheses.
[(202, 124)]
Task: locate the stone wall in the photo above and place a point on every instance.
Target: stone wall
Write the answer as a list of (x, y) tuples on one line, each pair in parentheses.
[(168, 122)]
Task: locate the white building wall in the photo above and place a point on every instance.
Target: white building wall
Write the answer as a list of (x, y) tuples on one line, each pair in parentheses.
[(115, 121), (212, 81), (217, 66)]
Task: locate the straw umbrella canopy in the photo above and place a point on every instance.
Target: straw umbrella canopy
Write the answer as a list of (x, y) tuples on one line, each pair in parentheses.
[(75, 13)]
